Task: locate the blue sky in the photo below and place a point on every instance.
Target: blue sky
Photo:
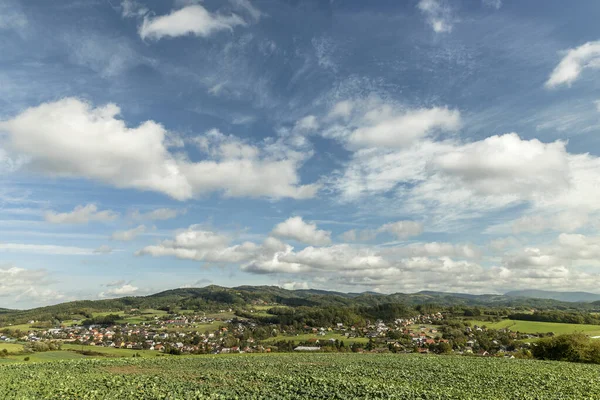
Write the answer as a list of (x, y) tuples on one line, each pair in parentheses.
[(347, 145)]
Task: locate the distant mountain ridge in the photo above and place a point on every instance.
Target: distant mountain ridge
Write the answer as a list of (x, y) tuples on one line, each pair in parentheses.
[(218, 296), (571, 297)]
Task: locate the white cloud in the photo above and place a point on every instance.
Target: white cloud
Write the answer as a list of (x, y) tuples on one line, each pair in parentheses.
[(40, 296), (374, 123), (191, 20), (248, 8), (416, 266), (295, 228), (403, 229), (20, 284), (567, 221), (240, 169), (435, 249), (507, 164), (294, 285), (400, 229), (14, 280), (104, 249), (502, 243), (128, 234), (438, 14), (12, 17), (133, 9), (492, 3), (70, 138), (597, 103), (45, 249), (108, 56), (199, 244), (125, 290), (447, 180), (573, 63), (341, 109), (81, 215), (120, 282), (308, 123), (159, 214)]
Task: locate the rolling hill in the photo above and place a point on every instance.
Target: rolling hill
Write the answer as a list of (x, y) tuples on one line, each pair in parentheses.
[(216, 297), (583, 297)]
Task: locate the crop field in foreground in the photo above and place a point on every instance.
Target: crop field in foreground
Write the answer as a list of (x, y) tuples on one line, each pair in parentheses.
[(304, 376)]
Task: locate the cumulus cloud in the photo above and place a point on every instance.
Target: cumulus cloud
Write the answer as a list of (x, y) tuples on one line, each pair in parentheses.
[(573, 63), (507, 164), (121, 291), (411, 267), (128, 234), (71, 138), (294, 285), (200, 244), (37, 295), (295, 228), (21, 284), (191, 20), (240, 169), (13, 279), (438, 15), (81, 215), (448, 180), (374, 123)]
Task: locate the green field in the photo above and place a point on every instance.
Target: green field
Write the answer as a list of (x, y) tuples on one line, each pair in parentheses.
[(11, 347), (540, 327), (111, 351), (301, 376)]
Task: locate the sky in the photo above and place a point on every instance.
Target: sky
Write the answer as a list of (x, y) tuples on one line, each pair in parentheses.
[(389, 146)]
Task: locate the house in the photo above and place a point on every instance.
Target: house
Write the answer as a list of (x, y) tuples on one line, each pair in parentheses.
[(307, 348)]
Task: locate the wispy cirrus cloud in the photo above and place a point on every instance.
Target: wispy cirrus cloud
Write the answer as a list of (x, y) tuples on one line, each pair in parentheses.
[(81, 215), (128, 235), (46, 249), (438, 14)]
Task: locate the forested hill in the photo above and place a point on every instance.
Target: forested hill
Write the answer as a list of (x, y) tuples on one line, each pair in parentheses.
[(216, 297), (560, 296)]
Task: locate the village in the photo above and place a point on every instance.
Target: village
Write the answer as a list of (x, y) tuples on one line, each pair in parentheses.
[(201, 334)]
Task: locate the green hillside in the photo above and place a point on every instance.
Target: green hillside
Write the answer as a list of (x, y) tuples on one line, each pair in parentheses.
[(216, 297)]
